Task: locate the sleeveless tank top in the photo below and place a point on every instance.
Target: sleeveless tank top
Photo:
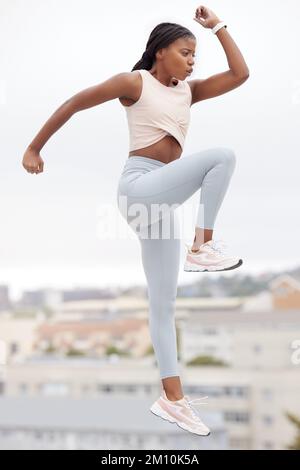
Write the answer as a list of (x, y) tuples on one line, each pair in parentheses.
[(160, 111)]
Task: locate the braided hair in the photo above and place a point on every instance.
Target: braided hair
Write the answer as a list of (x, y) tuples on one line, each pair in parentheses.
[(161, 36)]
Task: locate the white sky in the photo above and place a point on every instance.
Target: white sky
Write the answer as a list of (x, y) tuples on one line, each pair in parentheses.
[(51, 50)]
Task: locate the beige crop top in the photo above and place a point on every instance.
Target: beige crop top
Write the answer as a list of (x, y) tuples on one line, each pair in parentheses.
[(160, 111)]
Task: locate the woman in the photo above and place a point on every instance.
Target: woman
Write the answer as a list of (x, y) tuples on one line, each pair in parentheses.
[(157, 100)]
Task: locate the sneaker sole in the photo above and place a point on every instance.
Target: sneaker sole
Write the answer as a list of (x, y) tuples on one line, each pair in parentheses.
[(189, 267), (157, 411)]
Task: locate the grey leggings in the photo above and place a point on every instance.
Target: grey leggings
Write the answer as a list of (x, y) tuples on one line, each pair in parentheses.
[(145, 184)]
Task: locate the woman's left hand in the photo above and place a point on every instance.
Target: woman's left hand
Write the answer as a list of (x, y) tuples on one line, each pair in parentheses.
[(206, 17)]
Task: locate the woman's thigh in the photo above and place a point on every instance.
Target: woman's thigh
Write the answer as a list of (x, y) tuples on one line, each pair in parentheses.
[(179, 179), (151, 196)]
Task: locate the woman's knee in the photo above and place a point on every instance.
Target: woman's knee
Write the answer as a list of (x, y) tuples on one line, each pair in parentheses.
[(226, 157), (229, 157)]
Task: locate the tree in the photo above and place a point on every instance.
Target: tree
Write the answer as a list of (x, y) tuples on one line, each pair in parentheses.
[(296, 421), (111, 349), (206, 361)]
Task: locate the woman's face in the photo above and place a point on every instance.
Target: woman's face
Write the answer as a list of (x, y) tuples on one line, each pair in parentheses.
[(179, 57)]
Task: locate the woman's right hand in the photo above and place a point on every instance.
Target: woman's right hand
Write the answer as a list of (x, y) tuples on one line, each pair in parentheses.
[(32, 161)]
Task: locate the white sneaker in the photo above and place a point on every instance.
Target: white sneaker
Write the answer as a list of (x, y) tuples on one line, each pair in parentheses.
[(210, 257), (181, 413)]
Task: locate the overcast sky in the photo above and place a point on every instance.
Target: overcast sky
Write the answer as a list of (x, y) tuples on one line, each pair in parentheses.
[(51, 50)]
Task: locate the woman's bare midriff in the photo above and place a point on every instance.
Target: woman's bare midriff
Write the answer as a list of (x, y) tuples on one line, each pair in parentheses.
[(165, 150)]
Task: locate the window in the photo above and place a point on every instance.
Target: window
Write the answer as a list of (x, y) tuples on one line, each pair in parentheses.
[(209, 331), (14, 348), (268, 420), (213, 391), (240, 443), (104, 388), (282, 290), (38, 434), (23, 388), (61, 389), (268, 445), (267, 394), (236, 416), (257, 348), (236, 391), (210, 349)]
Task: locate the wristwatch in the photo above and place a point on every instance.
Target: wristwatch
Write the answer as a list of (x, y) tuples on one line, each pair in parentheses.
[(218, 26)]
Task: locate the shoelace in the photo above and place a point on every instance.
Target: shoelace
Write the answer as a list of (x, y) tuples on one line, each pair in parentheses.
[(216, 245), (190, 402), (219, 246)]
